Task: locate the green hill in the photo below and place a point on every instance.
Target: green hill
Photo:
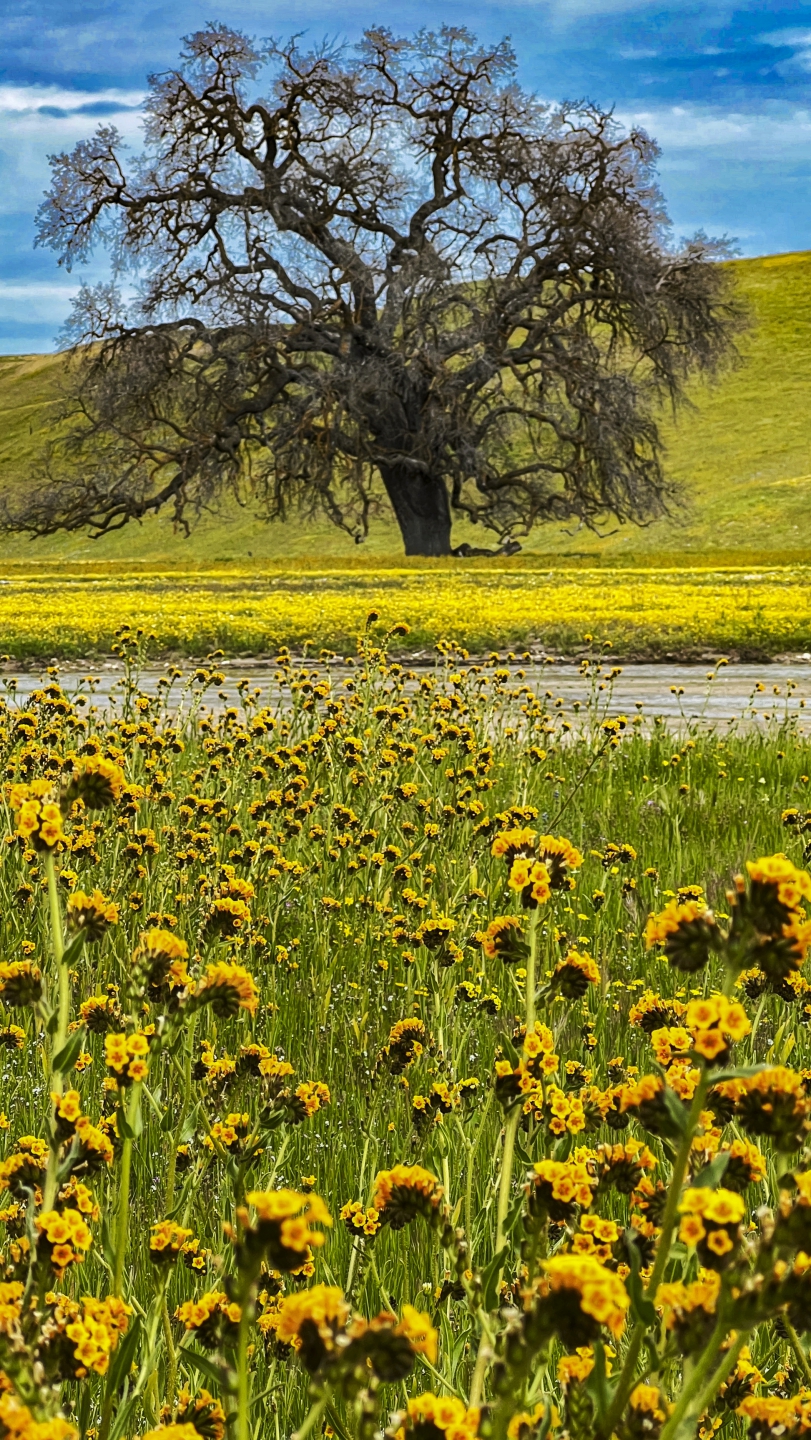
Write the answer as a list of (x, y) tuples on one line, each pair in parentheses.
[(743, 452)]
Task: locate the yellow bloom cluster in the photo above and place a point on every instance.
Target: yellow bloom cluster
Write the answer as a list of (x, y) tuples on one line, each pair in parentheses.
[(712, 1216), (17, 1422), (451, 1416), (92, 914), (407, 1188), (601, 1292), (228, 987), (38, 820), (94, 1327), (67, 1235), (127, 1056)]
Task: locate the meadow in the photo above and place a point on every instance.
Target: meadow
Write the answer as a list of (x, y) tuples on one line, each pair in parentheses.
[(411, 1055), (643, 613), (741, 453), (729, 575)]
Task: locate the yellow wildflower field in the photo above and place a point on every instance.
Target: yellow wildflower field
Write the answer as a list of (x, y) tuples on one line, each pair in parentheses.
[(644, 612)]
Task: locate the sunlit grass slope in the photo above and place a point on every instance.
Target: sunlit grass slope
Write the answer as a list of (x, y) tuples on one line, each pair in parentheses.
[(743, 453)]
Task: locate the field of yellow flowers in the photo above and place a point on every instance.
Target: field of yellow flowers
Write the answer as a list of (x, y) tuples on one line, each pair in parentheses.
[(649, 613), (408, 1057)]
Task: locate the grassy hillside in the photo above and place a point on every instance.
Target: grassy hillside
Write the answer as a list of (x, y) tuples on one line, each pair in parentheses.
[(744, 452)]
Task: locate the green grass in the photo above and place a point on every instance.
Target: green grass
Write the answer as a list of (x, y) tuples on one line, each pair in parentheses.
[(743, 453), (334, 949)]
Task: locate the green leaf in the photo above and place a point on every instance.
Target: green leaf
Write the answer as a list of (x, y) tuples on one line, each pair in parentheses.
[(643, 1308), (596, 1382), (510, 1052), (514, 1213), (206, 1367), (490, 1275), (712, 1174), (189, 1126), (335, 1423), (66, 1058), (74, 949), (741, 1073), (125, 1354), (524, 1156), (125, 1130), (675, 1109)]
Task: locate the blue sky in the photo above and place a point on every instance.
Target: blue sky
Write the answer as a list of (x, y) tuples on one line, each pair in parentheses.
[(724, 87)]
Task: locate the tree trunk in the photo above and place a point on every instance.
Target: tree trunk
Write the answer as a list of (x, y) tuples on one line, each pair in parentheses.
[(422, 510)]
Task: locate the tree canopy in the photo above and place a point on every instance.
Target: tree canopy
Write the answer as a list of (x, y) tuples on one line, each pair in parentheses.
[(388, 264)]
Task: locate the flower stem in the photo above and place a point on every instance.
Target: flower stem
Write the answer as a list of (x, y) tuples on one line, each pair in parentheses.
[(689, 1401), (243, 1377), (63, 1015), (171, 1354), (171, 1169), (122, 1223), (799, 1354), (532, 971), (628, 1372)]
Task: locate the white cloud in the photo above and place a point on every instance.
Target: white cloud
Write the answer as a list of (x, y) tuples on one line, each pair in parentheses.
[(30, 99), (797, 40), (38, 120), (754, 135), (34, 301), (790, 37)]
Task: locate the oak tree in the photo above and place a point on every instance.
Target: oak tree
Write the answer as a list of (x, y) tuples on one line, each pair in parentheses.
[(389, 269)]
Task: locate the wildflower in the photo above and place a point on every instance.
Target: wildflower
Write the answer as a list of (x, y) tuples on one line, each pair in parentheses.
[(406, 1042), (573, 975), (307, 1099), (282, 1226), (20, 983), (200, 1413), (160, 957), (583, 1297), (774, 1102), (509, 845), (556, 1187), (212, 1318), (64, 1237), (311, 1321), (359, 1221), (645, 1098), (226, 918), (621, 1167), (531, 879), (690, 1310), (90, 915), (434, 933), (227, 988), (90, 1329), (101, 1013), (711, 1221), (688, 933), (24, 1168), (769, 923), (771, 1416), (17, 1422), (403, 1193), (650, 1012), (428, 1417), (167, 1241), (127, 1056), (503, 938), (99, 783), (38, 820), (647, 1412)]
